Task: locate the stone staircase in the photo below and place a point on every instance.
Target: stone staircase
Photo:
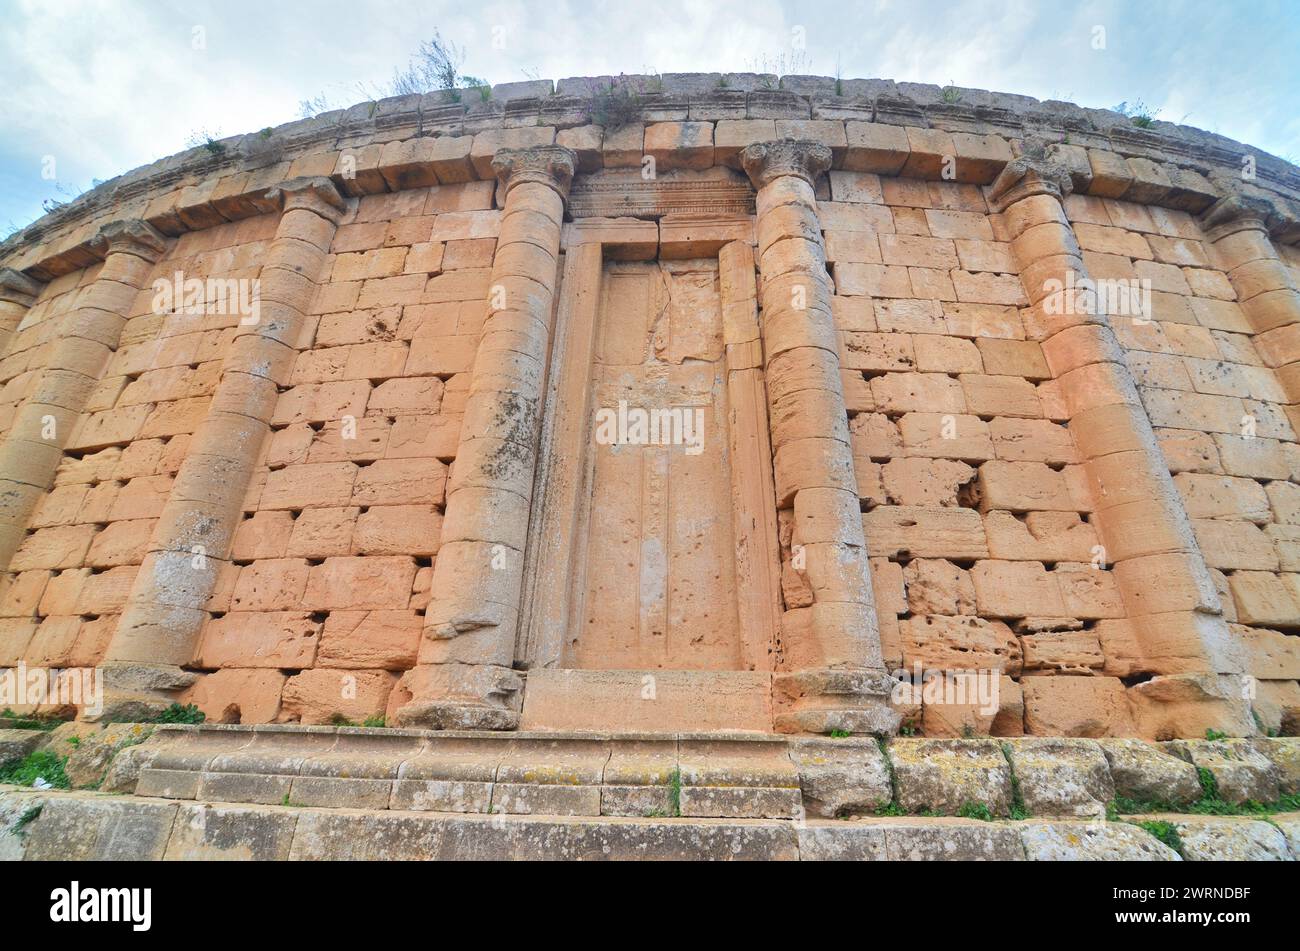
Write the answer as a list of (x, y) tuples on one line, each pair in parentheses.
[(309, 792), (580, 774)]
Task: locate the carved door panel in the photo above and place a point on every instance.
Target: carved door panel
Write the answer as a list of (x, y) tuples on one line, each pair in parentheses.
[(656, 579)]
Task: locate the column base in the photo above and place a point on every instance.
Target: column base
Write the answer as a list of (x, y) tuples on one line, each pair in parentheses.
[(458, 697), (834, 700), (137, 692)]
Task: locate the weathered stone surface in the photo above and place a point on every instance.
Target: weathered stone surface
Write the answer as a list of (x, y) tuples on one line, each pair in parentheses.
[(1092, 841), (1232, 840), (1143, 772), (1241, 773), (944, 775), (841, 778), (1061, 777)]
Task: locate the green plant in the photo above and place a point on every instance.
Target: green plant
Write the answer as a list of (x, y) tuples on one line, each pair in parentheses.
[(181, 714), (1137, 113), (338, 719), (27, 818), (891, 809), (615, 107), (675, 791), (74, 742), (286, 801), (975, 810), (38, 764), (1166, 832), (1209, 785), (34, 722), (375, 721), (950, 93), (1212, 734), (839, 734)]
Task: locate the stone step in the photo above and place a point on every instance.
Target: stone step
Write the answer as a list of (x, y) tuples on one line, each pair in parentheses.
[(711, 775), (88, 826), (648, 701), (737, 776)]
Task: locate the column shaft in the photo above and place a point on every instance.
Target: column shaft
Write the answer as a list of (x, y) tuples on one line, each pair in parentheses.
[(89, 335), (167, 607), (464, 676), (1169, 596), (833, 676)]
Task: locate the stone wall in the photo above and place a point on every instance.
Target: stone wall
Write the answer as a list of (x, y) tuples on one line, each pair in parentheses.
[(1102, 509)]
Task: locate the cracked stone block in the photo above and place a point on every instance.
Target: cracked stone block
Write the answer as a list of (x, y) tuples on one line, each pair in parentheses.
[(1092, 841), (952, 840), (72, 829), (1284, 752), (1232, 840), (841, 778), (1061, 777), (944, 775), (215, 833), (1144, 772), (1240, 770)]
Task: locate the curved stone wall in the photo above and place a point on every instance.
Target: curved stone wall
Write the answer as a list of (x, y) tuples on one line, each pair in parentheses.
[(331, 497)]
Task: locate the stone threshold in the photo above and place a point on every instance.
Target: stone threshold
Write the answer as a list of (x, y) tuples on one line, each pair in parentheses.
[(88, 826), (725, 776)]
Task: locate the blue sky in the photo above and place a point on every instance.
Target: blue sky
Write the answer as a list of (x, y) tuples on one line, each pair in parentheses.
[(102, 87)]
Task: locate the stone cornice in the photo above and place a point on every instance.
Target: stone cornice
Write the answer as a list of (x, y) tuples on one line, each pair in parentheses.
[(59, 242), (130, 236), (766, 161), (1030, 174), (17, 288), (549, 165)]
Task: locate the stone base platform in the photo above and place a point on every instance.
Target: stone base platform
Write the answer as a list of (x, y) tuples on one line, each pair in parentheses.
[(346, 792), (100, 827)]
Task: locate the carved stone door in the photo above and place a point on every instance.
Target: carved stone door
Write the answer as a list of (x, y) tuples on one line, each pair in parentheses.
[(652, 566), (659, 585)]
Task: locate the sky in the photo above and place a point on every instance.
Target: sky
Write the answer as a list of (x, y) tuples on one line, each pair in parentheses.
[(90, 89)]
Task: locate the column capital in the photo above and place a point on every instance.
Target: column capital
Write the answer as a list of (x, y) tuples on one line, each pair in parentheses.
[(550, 165), (1236, 213), (765, 161), (1027, 175), (130, 236), (17, 288), (315, 193)]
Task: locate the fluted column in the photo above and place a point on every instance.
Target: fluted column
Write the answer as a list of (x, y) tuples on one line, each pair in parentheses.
[(464, 677), (833, 677), (1168, 594), (164, 614), (87, 339), (17, 294)]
